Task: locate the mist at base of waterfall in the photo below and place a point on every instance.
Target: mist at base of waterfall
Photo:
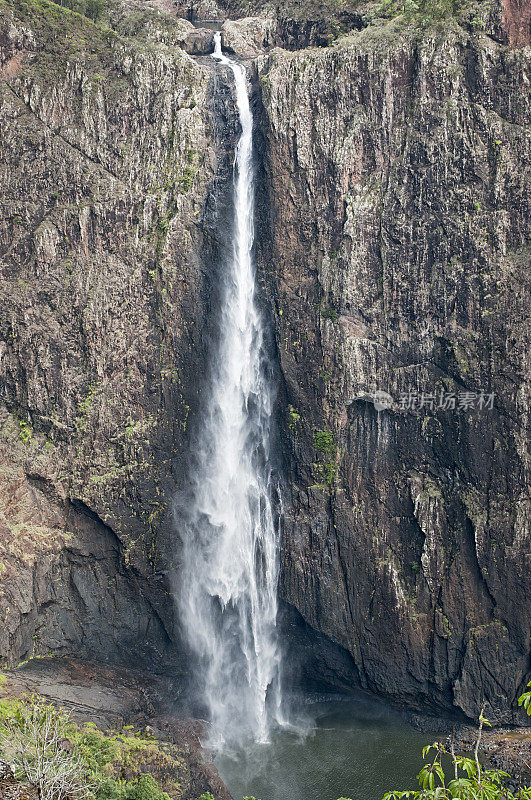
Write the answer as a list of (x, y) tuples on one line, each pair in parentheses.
[(353, 748)]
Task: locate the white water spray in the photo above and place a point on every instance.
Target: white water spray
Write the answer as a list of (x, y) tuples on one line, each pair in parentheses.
[(228, 598)]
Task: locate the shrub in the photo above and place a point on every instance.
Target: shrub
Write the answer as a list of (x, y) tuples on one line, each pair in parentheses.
[(67, 762), (110, 789), (525, 700), (97, 749), (423, 12), (470, 781), (329, 313), (35, 740), (293, 417), (94, 8), (26, 431), (145, 788), (327, 468)]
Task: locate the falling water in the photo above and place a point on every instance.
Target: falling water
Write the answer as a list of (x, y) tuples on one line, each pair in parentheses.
[(228, 598)]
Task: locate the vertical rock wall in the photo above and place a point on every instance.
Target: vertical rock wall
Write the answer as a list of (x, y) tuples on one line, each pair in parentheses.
[(397, 200), (108, 155), (393, 222)]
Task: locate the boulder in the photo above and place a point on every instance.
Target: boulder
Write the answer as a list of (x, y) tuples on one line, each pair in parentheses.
[(199, 42), (248, 37)]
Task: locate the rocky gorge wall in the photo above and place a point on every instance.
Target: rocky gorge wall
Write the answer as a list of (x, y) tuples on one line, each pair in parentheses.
[(397, 199), (108, 156), (392, 216)]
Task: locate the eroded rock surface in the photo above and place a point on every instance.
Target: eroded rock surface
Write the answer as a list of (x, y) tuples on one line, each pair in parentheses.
[(250, 36), (397, 199), (393, 221), (108, 157)]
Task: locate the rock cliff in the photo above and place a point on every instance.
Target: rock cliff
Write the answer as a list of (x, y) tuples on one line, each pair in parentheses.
[(108, 154), (392, 217), (397, 199)]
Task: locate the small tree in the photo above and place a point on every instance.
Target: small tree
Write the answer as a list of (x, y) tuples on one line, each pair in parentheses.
[(35, 740)]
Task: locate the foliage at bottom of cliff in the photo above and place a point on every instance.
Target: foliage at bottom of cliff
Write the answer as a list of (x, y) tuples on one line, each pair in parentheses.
[(63, 760), (68, 762)]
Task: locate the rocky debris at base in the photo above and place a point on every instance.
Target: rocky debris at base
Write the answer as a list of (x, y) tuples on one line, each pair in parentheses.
[(112, 698), (6, 771), (11, 789), (508, 749)]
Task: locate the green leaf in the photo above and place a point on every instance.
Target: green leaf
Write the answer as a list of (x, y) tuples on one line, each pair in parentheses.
[(525, 700)]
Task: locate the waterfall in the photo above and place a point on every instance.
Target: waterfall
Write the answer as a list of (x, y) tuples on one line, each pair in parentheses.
[(228, 595)]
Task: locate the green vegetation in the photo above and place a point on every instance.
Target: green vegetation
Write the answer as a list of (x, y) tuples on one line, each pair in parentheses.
[(25, 431), (293, 418), (145, 788), (469, 781), (334, 19), (65, 761), (423, 12), (525, 700), (187, 178), (329, 313), (68, 762), (324, 442), (93, 9), (85, 407), (69, 33), (326, 468), (185, 182)]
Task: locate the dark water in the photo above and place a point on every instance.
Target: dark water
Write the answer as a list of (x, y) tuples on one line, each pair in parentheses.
[(353, 749)]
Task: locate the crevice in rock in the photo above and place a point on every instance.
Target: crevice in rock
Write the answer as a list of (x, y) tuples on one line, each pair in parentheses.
[(58, 135)]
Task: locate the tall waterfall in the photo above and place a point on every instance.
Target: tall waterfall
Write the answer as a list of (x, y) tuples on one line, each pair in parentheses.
[(228, 598)]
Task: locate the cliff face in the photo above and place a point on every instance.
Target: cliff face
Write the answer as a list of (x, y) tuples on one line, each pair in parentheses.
[(107, 156), (392, 223), (397, 201)]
